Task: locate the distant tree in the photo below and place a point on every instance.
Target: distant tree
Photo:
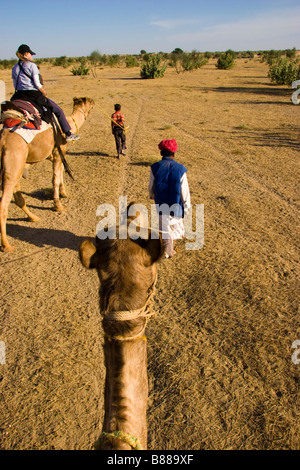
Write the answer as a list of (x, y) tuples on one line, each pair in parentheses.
[(143, 52), (290, 53), (95, 57), (177, 50)]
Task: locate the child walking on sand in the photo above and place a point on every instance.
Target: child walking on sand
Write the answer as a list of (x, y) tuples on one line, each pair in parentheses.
[(117, 127)]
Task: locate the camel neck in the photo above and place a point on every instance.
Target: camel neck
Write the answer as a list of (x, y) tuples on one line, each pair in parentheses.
[(79, 117), (126, 388)]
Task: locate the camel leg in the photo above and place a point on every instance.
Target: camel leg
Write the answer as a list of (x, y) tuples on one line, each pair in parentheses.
[(57, 170), (62, 189), (6, 198), (20, 202)]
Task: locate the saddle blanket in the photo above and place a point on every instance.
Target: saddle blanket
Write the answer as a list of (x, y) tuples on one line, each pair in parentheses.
[(29, 134)]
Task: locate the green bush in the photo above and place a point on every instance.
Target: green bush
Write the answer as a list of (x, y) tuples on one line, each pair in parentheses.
[(113, 60), (7, 64), (225, 61), (82, 69), (272, 56), (152, 67), (291, 53), (62, 61), (193, 61), (284, 72), (246, 55), (187, 61), (131, 61)]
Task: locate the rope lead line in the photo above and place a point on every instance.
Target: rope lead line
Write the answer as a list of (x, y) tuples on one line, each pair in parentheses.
[(109, 117)]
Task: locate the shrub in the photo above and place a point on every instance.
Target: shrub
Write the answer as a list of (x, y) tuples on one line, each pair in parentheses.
[(291, 53), (131, 61), (225, 61), (193, 61), (62, 61), (272, 56), (246, 54), (82, 69), (152, 67), (113, 60), (184, 61), (7, 64), (284, 72), (231, 52), (103, 59)]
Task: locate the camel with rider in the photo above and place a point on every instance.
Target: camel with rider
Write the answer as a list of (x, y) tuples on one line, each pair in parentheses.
[(16, 154)]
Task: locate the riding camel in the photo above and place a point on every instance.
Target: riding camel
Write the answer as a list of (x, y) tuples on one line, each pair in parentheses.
[(16, 154), (127, 270)]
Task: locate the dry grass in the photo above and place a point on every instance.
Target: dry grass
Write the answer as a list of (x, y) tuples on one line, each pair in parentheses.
[(220, 368)]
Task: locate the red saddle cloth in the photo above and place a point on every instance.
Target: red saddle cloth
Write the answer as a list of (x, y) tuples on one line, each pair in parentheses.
[(14, 122), (25, 108)]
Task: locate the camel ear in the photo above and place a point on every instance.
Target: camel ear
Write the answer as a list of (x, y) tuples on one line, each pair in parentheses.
[(77, 101), (155, 249), (88, 254)]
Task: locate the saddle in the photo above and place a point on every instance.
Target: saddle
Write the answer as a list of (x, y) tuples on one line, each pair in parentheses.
[(18, 113)]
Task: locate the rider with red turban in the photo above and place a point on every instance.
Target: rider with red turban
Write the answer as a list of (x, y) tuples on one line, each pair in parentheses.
[(169, 188)]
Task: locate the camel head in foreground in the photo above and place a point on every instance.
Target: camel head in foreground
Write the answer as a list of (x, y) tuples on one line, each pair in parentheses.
[(16, 153), (127, 271)]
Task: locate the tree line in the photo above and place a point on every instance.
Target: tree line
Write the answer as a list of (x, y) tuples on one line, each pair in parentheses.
[(284, 65)]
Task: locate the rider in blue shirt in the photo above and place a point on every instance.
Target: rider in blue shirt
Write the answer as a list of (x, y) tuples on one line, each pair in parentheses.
[(28, 86)]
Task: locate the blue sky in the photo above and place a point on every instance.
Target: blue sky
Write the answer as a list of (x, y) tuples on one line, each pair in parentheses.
[(54, 28)]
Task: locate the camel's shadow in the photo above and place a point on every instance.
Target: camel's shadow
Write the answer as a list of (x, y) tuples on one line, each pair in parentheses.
[(141, 164), (45, 236), (89, 154), (45, 194)]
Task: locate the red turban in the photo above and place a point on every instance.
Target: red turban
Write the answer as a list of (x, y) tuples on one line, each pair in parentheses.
[(168, 145)]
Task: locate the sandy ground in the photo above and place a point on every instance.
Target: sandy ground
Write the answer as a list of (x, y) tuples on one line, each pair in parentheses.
[(220, 367)]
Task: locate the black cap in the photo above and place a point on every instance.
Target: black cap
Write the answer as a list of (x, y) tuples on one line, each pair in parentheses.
[(24, 48)]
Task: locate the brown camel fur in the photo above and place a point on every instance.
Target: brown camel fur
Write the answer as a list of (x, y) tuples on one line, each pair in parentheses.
[(15, 154), (127, 270)]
